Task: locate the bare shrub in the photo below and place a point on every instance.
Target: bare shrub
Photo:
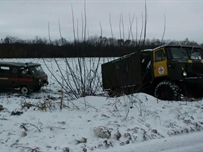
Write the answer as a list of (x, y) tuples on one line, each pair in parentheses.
[(135, 101), (42, 105), (123, 105), (78, 77)]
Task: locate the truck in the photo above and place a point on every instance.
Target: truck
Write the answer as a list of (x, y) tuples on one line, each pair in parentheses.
[(25, 76), (167, 72)]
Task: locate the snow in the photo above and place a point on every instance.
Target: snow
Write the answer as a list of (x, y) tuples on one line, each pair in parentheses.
[(54, 129), (137, 122), (182, 143)]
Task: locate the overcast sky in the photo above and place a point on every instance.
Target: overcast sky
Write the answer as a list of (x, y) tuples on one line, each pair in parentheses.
[(27, 19)]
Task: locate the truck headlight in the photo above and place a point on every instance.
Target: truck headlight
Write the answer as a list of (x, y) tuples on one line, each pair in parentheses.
[(184, 74)]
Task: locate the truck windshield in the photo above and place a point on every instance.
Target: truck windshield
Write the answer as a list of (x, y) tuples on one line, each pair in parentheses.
[(186, 53)]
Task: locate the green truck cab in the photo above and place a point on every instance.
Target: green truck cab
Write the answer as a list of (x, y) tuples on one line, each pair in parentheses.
[(166, 72), (26, 76)]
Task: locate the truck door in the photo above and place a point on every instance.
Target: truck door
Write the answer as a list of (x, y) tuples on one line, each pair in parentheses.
[(160, 63)]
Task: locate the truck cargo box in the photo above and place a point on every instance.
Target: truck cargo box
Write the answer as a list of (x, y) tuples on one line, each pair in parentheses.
[(122, 72)]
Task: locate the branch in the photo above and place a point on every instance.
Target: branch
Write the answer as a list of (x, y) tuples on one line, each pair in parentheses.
[(164, 29), (145, 26), (73, 22), (24, 124), (110, 25), (100, 29), (123, 27), (59, 29), (141, 29), (49, 34), (85, 26)]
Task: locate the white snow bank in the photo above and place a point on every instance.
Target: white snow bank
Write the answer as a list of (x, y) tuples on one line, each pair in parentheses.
[(138, 118)]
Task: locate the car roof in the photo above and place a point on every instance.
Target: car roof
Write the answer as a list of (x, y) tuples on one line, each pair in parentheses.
[(19, 64)]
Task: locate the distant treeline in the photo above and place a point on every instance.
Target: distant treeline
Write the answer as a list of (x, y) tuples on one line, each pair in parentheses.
[(11, 47)]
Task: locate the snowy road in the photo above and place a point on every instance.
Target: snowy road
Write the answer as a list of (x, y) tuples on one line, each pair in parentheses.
[(192, 142)]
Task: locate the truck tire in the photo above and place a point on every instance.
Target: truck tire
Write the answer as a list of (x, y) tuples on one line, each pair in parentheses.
[(167, 90), (25, 90)]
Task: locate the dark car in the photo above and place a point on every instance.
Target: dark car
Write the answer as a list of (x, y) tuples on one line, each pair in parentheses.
[(26, 76)]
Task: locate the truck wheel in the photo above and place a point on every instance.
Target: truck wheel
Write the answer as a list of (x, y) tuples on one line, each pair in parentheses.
[(167, 90), (24, 90)]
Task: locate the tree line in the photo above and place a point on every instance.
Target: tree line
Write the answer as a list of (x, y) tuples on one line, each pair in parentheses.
[(12, 47)]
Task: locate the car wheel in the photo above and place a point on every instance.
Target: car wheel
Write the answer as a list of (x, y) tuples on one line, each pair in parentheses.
[(24, 90), (167, 90)]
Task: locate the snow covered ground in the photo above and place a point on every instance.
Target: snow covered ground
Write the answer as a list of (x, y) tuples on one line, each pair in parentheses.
[(134, 123), (181, 143), (129, 120)]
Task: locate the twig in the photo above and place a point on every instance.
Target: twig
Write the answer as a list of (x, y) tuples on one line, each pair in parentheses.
[(24, 124), (29, 148)]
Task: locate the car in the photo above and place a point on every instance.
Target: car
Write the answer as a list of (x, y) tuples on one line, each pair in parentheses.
[(25, 76)]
